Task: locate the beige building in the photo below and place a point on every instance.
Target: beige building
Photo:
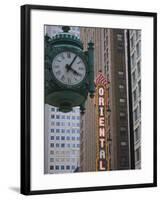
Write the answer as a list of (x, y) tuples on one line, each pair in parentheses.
[(109, 56), (88, 125)]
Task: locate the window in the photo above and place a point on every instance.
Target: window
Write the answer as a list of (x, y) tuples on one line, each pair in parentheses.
[(63, 130), (62, 167), (78, 138), (73, 138), (78, 145), (52, 137), (51, 167), (78, 131), (68, 130), (51, 159), (133, 60), (139, 87), (122, 100), (73, 117), (122, 128), (52, 130), (52, 116), (121, 73), (52, 123), (62, 123), (68, 167), (132, 41), (57, 137), (62, 137), (138, 50), (73, 131), (136, 134), (63, 116), (73, 167), (137, 34), (119, 37), (68, 117), (57, 117), (57, 123), (78, 124), (78, 117), (139, 107), (121, 86), (137, 154), (51, 144), (123, 143), (52, 152), (52, 109), (134, 95), (68, 145), (138, 68), (57, 130), (135, 114), (67, 138), (68, 123), (122, 114), (57, 144), (134, 77), (62, 145), (57, 167)]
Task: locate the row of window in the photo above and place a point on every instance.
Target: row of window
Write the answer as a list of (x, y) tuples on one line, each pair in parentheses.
[(52, 130), (53, 116), (62, 167), (63, 145), (64, 124), (65, 138), (64, 160), (54, 109), (64, 153)]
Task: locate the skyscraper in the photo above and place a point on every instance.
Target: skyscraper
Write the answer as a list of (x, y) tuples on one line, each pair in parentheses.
[(62, 140), (110, 58), (135, 57)]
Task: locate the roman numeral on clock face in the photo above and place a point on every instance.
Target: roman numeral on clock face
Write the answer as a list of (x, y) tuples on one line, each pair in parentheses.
[(68, 55), (58, 73)]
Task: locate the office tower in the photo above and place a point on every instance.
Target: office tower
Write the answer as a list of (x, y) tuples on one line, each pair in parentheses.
[(119, 132), (110, 58), (135, 58), (62, 140)]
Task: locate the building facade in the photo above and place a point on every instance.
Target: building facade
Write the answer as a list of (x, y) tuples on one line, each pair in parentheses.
[(110, 58), (118, 117), (88, 120), (135, 57), (62, 140)]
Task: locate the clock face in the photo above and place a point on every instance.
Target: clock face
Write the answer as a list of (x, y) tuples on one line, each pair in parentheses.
[(68, 68)]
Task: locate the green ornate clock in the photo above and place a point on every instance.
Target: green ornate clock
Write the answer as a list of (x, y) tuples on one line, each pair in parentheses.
[(69, 74), (69, 68)]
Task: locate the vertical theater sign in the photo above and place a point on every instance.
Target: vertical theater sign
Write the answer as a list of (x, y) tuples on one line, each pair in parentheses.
[(101, 103)]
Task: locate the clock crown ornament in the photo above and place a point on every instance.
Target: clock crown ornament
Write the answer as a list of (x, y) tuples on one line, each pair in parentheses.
[(69, 71)]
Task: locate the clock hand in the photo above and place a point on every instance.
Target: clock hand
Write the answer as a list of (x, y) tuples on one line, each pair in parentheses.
[(72, 61), (75, 72)]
